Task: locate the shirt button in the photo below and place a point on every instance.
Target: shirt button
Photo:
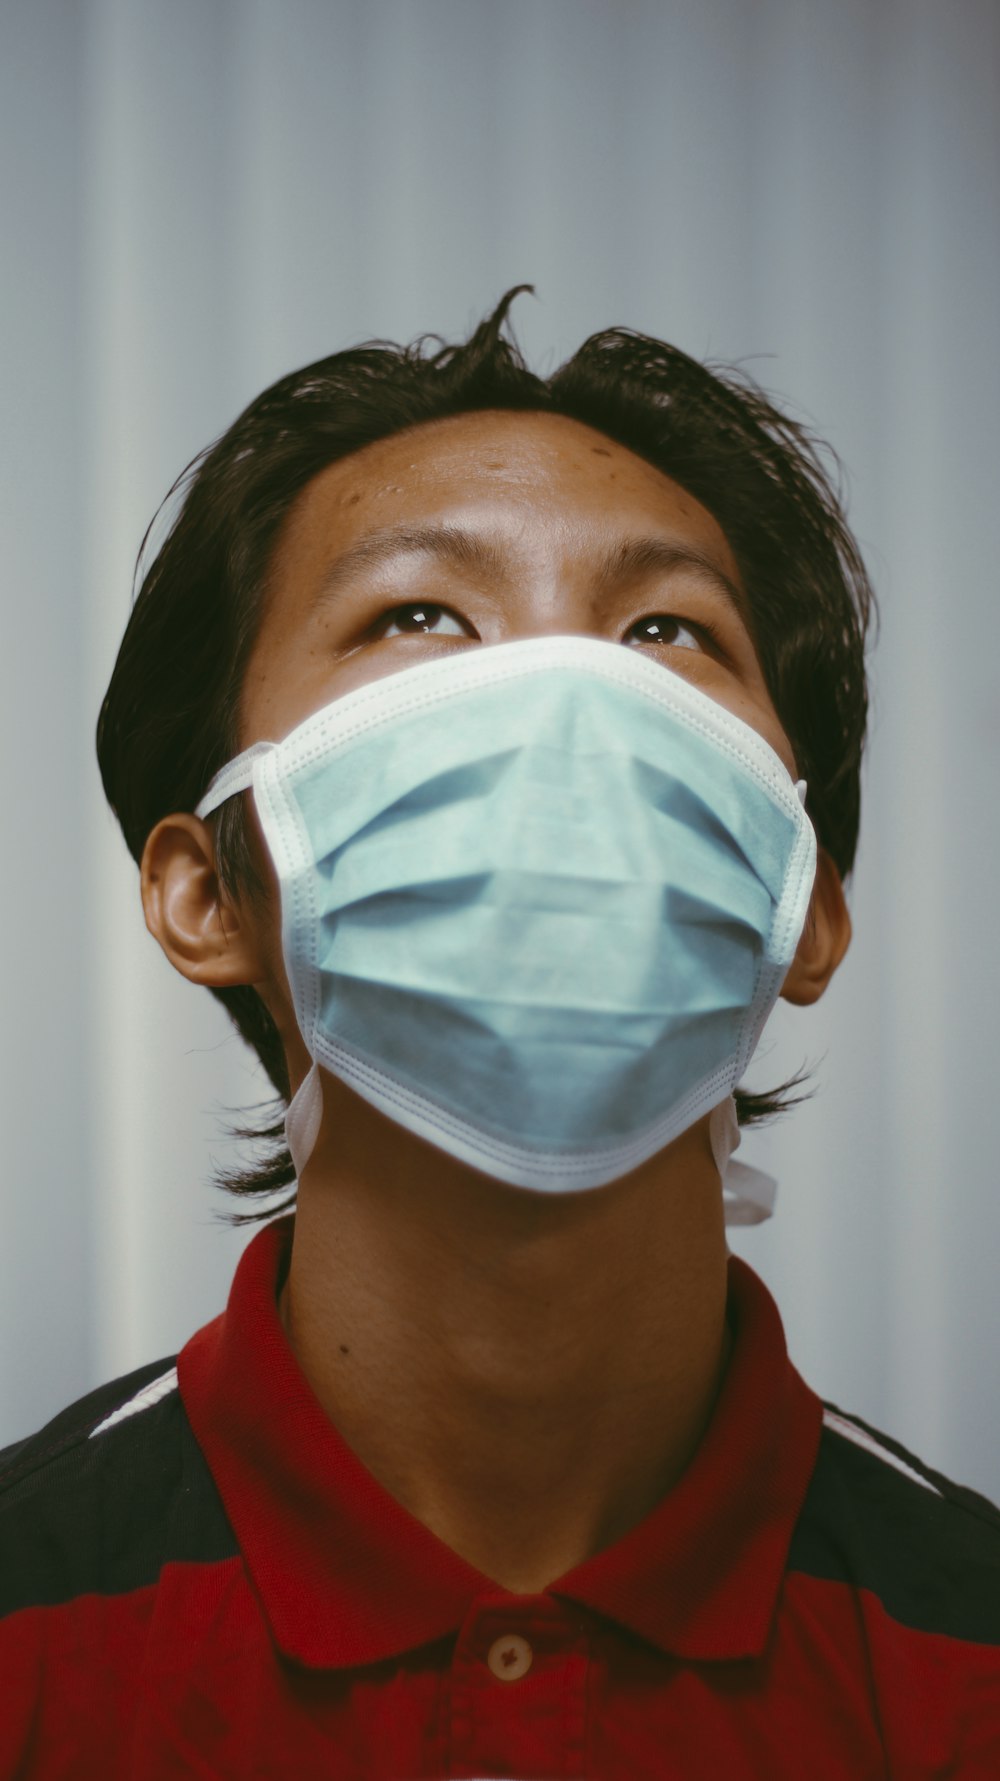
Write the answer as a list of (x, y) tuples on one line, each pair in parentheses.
[(510, 1658)]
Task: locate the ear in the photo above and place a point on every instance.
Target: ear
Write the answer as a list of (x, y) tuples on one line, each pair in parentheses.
[(199, 928), (825, 937)]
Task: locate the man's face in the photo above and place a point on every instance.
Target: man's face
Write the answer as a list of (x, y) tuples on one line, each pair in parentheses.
[(485, 528), (481, 529)]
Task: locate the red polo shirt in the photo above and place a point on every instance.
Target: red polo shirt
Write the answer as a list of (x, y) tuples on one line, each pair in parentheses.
[(207, 1582)]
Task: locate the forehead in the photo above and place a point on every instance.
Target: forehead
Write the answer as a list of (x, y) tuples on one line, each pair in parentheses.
[(539, 476), (544, 523)]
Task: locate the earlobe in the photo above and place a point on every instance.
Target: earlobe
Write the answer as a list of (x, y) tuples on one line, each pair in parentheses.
[(198, 927), (825, 937)]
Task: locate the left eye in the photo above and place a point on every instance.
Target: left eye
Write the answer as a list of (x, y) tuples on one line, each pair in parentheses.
[(661, 628), (422, 616)]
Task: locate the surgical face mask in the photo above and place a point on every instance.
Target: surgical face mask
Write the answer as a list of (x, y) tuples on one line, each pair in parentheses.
[(537, 902)]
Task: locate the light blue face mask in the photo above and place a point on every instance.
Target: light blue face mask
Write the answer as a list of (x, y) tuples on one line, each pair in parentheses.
[(538, 900)]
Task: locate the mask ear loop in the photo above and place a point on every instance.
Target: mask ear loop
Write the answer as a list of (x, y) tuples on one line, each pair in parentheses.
[(302, 1121), (748, 1194)]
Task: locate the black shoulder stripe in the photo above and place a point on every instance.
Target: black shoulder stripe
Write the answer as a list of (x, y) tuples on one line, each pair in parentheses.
[(74, 1423), (959, 1493), (930, 1555), (81, 1516)]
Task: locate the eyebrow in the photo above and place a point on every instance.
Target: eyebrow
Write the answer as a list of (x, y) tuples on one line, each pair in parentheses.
[(645, 556), (473, 551)]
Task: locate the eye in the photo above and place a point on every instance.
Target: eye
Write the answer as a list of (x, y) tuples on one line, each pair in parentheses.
[(664, 629), (421, 616)]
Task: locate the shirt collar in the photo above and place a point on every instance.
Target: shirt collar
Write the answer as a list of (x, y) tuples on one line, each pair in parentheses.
[(348, 1576)]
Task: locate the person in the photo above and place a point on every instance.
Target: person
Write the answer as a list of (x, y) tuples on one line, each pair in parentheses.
[(490, 747)]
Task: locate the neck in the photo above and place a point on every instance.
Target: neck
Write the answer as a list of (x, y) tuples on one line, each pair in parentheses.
[(527, 1373)]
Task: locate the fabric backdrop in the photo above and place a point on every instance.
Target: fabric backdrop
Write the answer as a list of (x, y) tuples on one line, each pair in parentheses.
[(199, 195)]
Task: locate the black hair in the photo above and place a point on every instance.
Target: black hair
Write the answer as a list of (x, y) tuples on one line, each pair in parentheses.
[(169, 718)]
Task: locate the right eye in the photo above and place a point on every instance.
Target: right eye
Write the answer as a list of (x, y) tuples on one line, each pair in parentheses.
[(421, 617)]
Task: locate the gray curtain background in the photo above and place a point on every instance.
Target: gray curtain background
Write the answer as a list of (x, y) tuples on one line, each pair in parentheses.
[(199, 195)]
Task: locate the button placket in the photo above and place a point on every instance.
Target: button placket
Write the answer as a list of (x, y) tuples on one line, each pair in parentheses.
[(518, 1690)]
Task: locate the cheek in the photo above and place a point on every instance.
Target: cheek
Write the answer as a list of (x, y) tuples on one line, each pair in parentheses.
[(766, 723), (263, 915), (272, 983), (260, 910), (293, 681), (268, 896), (757, 712)]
